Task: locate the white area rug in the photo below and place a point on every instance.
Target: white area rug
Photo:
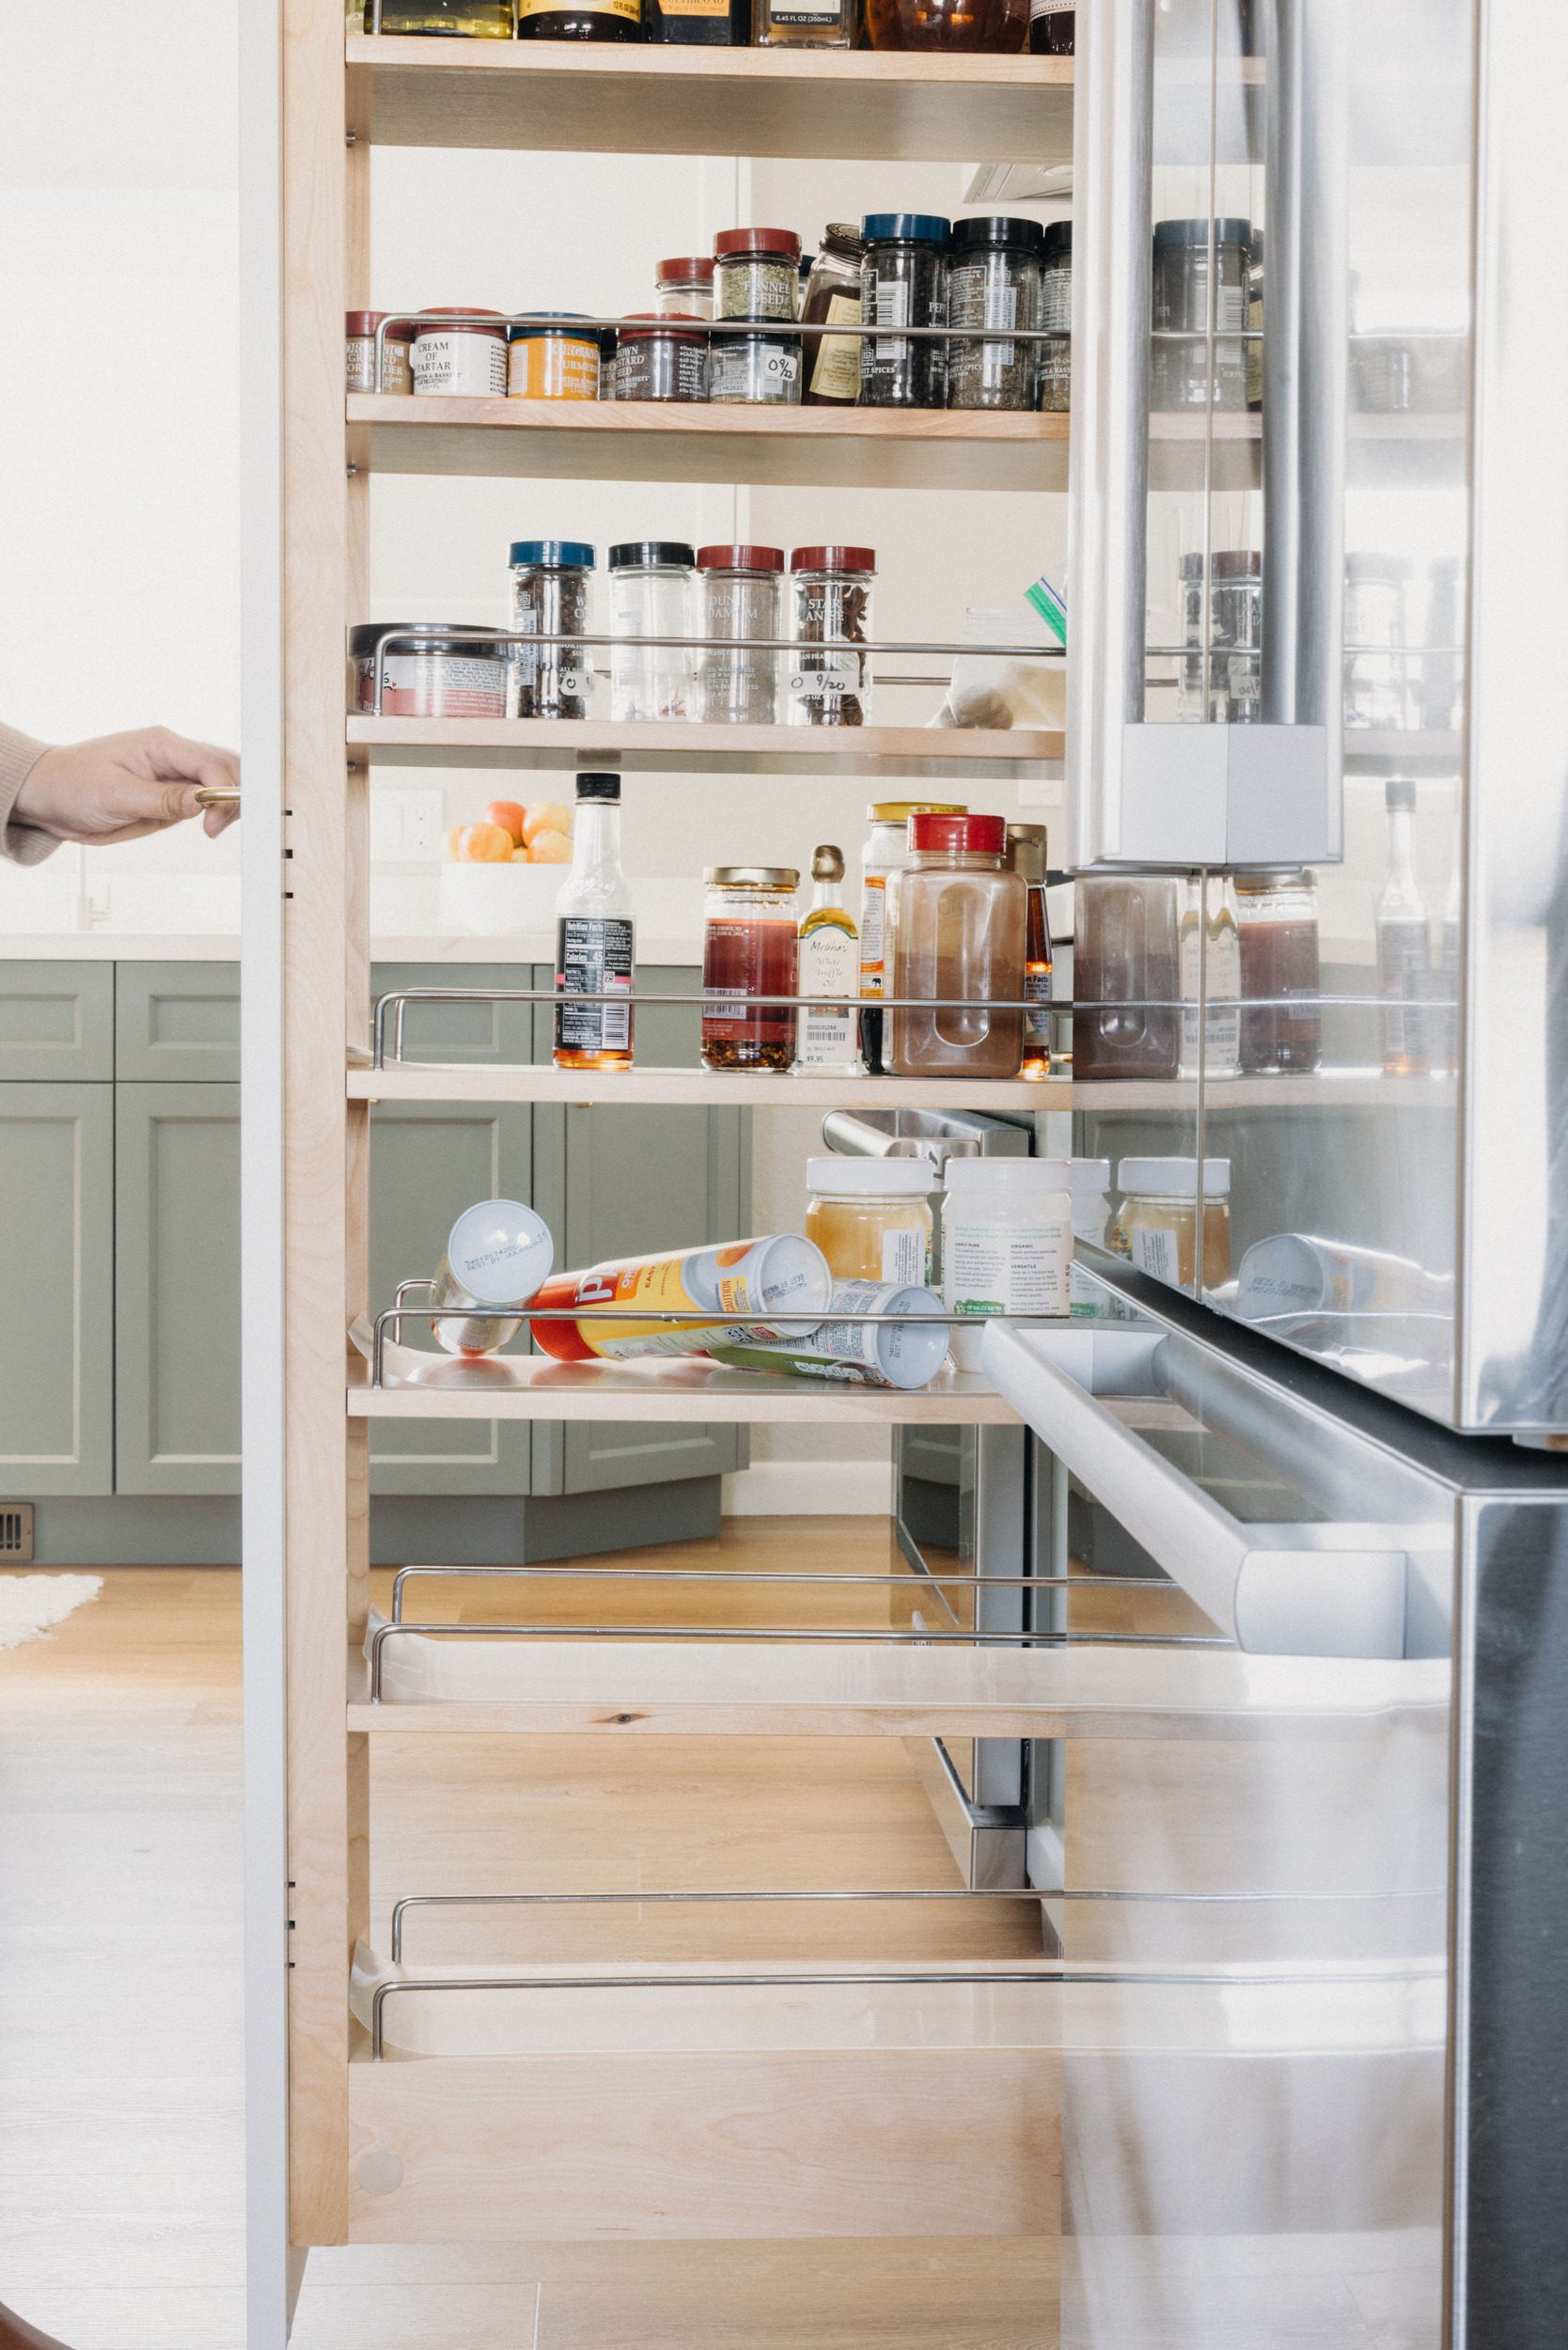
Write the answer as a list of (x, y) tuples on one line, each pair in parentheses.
[(32, 1605)]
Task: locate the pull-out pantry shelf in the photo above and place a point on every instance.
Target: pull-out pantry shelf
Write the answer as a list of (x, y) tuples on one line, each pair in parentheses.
[(673, 746)]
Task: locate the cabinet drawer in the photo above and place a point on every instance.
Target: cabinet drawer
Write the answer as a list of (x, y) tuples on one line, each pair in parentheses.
[(57, 1021), (177, 1021)]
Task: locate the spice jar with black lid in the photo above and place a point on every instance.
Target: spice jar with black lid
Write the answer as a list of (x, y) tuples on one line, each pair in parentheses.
[(831, 603), (994, 281), (581, 20), (666, 359), (903, 282), (757, 273), (1180, 372)]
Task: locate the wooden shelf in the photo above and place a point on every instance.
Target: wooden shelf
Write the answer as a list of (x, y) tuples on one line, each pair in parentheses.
[(839, 103), (949, 752), (587, 440), (709, 1088)]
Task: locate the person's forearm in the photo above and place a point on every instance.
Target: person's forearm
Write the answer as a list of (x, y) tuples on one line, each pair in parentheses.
[(19, 754)]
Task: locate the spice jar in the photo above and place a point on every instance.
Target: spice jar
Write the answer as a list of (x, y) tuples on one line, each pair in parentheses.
[(754, 370), (756, 273), (683, 287), (660, 361), (481, 19), (740, 591), (550, 591), (831, 297), (552, 362), (1179, 310), (652, 584), (886, 853), (959, 921), (748, 950), (872, 1219), (997, 28), (360, 353), (1235, 637), (831, 603), (903, 282), (1277, 921), (1156, 1225), (580, 19), (426, 674), (804, 23), (1054, 362), (461, 352), (1007, 1244), (1376, 663), (1124, 976), (994, 281)]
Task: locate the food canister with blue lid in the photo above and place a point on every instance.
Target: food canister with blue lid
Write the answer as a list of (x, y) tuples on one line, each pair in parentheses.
[(903, 282), (556, 361), (551, 588)]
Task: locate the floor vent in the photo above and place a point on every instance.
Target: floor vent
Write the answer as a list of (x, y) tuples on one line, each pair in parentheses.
[(16, 1533)]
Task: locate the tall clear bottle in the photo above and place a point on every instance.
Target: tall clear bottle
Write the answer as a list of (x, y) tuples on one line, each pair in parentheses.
[(1027, 852), (1403, 943), (595, 935), (1209, 956), (828, 964)]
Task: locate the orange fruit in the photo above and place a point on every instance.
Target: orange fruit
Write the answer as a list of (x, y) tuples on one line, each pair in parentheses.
[(485, 844), (450, 848), (550, 848), (510, 815), (546, 816)]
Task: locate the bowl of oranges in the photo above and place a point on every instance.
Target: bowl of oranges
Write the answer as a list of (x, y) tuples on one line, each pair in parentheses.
[(506, 871)]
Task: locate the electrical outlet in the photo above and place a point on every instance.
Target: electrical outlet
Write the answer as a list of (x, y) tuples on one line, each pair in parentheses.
[(405, 826)]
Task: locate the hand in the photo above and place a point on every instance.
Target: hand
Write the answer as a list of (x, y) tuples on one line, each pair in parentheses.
[(120, 787)]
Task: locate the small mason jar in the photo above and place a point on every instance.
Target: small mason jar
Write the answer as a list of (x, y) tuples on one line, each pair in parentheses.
[(683, 287), (757, 275), (903, 282), (749, 948), (1179, 371), (754, 370), (740, 591), (994, 282), (831, 609), (650, 595), (551, 582), (659, 360)]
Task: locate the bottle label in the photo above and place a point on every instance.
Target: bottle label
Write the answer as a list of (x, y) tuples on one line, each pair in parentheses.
[(1403, 959), (629, 11), (694, 8), (890, 307), (827, 12), (1001, 1269), (829, 968), (593, 953), (905, 1257), (873, 934), (836, 371), (1154, 1252), (1222, 1024), (1037, 1024)]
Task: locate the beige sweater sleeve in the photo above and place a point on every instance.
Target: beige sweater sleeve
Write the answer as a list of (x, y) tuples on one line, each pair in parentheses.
[(18, 754)]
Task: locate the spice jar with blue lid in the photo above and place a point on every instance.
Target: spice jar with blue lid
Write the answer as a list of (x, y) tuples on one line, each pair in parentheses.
[(903, 282), (551, 588), (553, 355)]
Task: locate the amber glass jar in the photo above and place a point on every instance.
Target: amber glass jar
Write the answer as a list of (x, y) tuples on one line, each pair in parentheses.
[(749, 948), (958, 920), (994, 26), (1156, 1225), (581, 20)]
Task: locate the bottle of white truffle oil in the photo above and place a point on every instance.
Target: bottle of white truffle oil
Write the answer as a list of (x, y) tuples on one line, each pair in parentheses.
[(827, 1037)]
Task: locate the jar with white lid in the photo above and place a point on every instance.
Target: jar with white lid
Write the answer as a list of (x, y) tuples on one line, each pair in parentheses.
[(1007, 1242), (1156, 1225), (872, 1219), (1090, 1184)]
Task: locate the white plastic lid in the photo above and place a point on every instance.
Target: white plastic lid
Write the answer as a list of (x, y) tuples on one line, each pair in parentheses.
[(1006, 1182), (1090, 1176), (500, 1251), (1175, 1179), (871, 1178)]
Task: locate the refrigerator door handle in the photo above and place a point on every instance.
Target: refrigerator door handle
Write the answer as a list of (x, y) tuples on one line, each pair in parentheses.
[(1275, 1598)]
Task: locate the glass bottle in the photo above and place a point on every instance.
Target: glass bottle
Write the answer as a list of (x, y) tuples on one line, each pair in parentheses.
[(748, 950), (595, 938), (1209, 958), (827, 962), (482, 19), (903, 282), (1124, 976), (1053, 25), (1403, 943), (581, 20), (1278, 919), (805, 23), (740, 591), (959, 922), (831, 608), (995, 27), (831, 368), (886, 853), (1026, 856), (650, 595)]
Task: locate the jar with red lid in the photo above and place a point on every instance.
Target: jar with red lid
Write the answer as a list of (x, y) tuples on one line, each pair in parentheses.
[(360, 353), (831, 608), (461, 352), (660, 360), (757, 275), (958, 920), (740, 589), (683, 287)]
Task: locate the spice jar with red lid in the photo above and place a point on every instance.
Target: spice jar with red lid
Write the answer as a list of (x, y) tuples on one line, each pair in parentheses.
[(662, 360), (360, 353), (739, 590), (830, 607), (461, 352), (757, 275), (683, 287), (958, 920)]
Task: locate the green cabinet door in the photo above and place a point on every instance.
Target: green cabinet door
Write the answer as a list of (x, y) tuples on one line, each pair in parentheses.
[(57, 1290), (623, 1182), (176, 1289), (57, 1021)]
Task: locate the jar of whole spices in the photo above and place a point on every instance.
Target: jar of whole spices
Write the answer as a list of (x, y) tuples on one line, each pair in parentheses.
[(748, 950), (552, 362), (461, 352), (1053, 360), (903, 282), (652, 595), (754, 370), (360, 353), (1180, 313), (994, 281), (831, 608), (427, 674), (683, 287), (959, 920), (740, 591), (831, 363), (756, 273), (551, 584), (660, 361)]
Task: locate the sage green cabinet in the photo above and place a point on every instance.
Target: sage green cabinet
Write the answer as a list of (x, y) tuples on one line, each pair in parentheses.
[(176, 1289), (57, 1289), (177, 1022), (57, 1021)]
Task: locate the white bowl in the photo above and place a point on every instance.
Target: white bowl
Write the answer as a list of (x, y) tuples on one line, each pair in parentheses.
[(492, 900)]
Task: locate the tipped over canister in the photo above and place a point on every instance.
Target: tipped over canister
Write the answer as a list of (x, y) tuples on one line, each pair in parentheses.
[(498, 1253), (900, 1354), (779, 1285)]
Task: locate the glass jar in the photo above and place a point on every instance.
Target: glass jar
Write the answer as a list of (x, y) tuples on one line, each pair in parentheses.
[(959, 920), (831, 606), (581, 20), (1178, 368), (831, 297), (994, 282), (740, 591), (1053, 364), (748, 950), (683, 287), (1209, 958), (886, 853), (660, 362), (997, 28), (1053, 27), (903, 282), (652, 584), (1124, 976), (551, 582), (1278, 919), (872, 1219), (360, 353), (427, 675), (460, 352), (805, 23), (753, 370), (552, 362), (1377, 676), (1235, 637), (1156, 1225), (480, 20), (757, 273)]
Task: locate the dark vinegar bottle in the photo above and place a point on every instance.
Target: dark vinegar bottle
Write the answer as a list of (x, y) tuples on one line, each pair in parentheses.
[(581, 20)]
